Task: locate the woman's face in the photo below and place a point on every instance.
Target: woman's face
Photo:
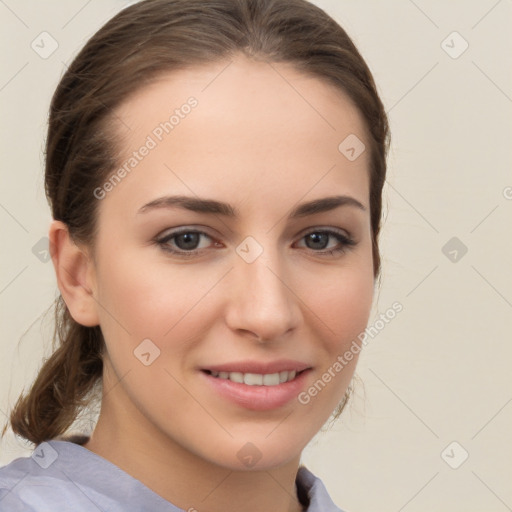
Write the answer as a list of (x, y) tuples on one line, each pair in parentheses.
[(227, 313)]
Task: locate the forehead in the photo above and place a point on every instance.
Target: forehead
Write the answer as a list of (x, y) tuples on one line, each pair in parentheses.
[(247, 125)]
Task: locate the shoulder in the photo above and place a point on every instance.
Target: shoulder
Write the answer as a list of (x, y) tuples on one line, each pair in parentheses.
[(18, 482), (63, 476), (41, 482), (312, 491)]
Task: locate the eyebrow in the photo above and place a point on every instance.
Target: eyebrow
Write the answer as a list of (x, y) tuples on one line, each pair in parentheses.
[(211, 206)]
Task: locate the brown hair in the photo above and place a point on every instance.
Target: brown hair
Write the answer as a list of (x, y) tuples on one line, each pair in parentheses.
[(143, 41)]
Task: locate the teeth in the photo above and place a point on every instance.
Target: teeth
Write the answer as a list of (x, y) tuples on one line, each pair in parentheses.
[(253, 379), (257, 379), (235, 377), (271, 379)]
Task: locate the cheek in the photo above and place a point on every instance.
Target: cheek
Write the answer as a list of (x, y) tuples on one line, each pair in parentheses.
[(355, 305), (342, 311), (342, 303), (164, 303)]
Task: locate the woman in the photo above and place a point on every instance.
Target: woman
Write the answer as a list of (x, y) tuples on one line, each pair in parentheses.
[(214, 170)]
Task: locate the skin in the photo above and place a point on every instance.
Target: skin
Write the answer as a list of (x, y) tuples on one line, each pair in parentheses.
[(263, 138)]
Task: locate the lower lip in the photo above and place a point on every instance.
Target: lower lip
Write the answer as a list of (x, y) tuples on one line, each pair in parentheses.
[(258, 398)]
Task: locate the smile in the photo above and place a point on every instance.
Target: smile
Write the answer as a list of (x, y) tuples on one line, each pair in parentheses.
[(257, 386)]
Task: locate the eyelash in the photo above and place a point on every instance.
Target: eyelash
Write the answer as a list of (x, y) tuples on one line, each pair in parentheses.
[(345, 241)]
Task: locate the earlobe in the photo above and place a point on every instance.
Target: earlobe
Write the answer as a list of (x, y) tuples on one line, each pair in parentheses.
[(75, 275)]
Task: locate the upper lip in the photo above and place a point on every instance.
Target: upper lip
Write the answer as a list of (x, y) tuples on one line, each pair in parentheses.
[(259, 367)]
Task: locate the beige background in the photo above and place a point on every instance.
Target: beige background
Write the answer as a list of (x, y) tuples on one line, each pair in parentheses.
[(440, 371)]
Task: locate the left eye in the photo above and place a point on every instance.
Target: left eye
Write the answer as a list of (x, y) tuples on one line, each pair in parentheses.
[(188, 242), (320, 237)]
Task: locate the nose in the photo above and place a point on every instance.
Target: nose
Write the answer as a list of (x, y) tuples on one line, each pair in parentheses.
[(263, 302)]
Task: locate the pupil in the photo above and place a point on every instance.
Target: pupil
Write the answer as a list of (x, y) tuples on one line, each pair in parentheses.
[(315, 237), (190, 239)]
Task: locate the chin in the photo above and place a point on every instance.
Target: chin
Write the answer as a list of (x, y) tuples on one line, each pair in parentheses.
[(257, 452)]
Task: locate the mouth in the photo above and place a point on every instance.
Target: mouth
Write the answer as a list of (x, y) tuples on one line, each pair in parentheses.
[(258, 387)]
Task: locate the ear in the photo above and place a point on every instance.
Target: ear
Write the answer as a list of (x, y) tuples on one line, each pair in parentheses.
[(75, 275)]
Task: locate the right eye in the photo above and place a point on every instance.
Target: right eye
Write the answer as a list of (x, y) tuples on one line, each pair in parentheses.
[(183, 242)]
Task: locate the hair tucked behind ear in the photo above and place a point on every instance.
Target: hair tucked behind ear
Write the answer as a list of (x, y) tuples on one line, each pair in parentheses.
[(143, 41)]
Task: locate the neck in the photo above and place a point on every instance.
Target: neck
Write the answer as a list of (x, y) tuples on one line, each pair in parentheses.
[(182, 477)]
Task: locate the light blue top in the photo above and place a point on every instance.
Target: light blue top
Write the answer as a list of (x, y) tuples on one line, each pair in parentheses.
[(62, 476)]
